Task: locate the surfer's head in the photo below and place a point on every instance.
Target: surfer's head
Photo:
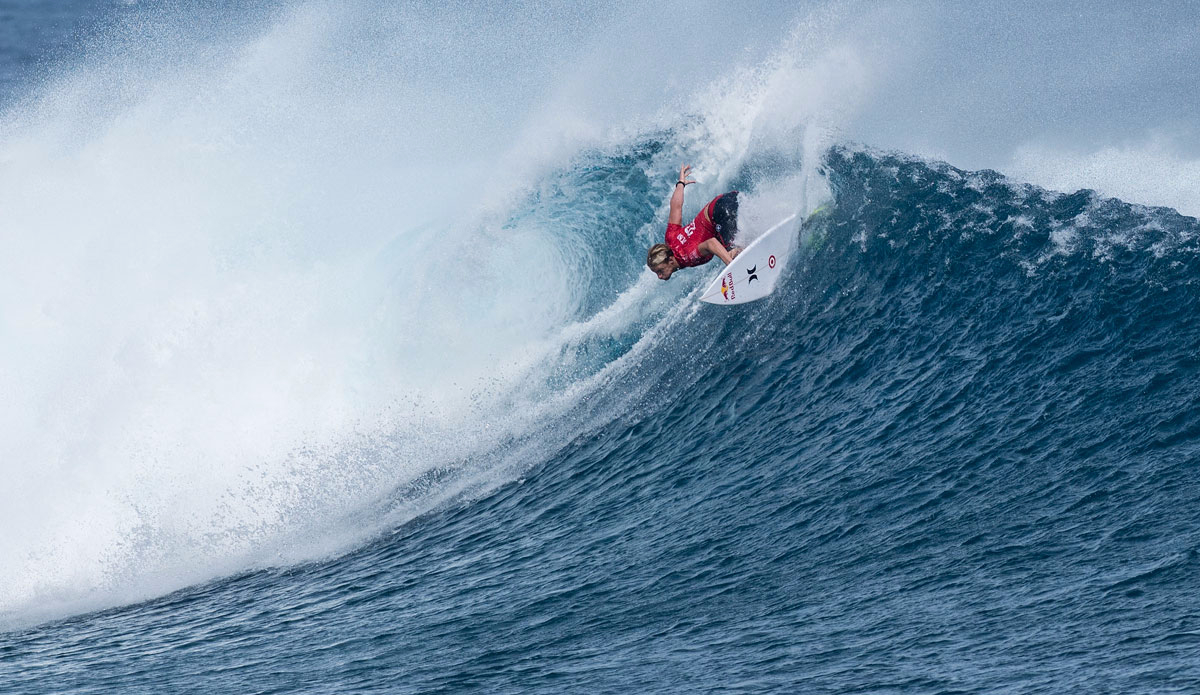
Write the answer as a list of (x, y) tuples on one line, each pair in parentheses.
[(660, 260)]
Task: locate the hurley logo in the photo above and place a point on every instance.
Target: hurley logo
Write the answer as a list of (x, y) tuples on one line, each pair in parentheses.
[(752, 272)]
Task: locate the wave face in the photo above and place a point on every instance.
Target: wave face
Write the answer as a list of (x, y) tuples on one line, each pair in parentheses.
[(271, 426), (961, 437)]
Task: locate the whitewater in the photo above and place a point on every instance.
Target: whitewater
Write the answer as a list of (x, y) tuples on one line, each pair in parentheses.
[(330, 362)]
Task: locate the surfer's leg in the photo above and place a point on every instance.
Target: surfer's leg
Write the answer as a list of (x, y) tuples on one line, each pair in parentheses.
[(724, 217)]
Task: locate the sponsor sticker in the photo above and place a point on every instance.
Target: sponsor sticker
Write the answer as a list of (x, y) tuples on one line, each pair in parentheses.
[(771, 262), (727, 287)]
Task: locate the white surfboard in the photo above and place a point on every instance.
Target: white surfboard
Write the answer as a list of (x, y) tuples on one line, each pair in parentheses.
[(753, 273)]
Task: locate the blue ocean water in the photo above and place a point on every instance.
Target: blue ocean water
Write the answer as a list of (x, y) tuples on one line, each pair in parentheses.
[(30, 32), (955, 452)]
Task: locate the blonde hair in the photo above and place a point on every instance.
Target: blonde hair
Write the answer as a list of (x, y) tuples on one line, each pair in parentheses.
[(658, 255)]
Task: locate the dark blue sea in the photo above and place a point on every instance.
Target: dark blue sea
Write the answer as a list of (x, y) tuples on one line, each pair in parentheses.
[(330, 364)]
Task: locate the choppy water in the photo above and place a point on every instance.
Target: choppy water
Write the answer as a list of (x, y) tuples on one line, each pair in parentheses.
[(956, 451)]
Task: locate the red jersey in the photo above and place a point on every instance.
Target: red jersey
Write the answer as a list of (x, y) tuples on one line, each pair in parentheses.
[(685, 240)]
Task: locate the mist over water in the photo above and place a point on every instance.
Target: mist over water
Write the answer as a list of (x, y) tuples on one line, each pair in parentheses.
[(284, 288)]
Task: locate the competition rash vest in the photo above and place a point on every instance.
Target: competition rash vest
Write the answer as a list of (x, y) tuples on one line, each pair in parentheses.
[(685, 240)]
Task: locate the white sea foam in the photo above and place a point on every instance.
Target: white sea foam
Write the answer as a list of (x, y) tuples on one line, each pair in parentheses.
[(209, 358)]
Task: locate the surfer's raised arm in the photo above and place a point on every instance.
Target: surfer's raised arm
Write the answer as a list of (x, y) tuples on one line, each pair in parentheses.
[(710, 234), (676, 216)]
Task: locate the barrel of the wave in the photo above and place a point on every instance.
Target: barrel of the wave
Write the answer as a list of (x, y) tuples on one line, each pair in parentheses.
[(753, 274)]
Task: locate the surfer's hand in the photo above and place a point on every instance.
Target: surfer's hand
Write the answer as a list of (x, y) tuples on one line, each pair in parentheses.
[(733, 252), (684, 172)]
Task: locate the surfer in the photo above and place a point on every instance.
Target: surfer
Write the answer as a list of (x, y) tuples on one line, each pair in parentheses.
[(710, 234)]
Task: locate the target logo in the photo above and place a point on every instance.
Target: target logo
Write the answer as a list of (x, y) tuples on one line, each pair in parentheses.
[(771, 262)]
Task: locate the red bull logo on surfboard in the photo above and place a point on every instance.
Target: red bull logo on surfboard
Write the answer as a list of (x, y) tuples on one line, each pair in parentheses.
[(727, 287)]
